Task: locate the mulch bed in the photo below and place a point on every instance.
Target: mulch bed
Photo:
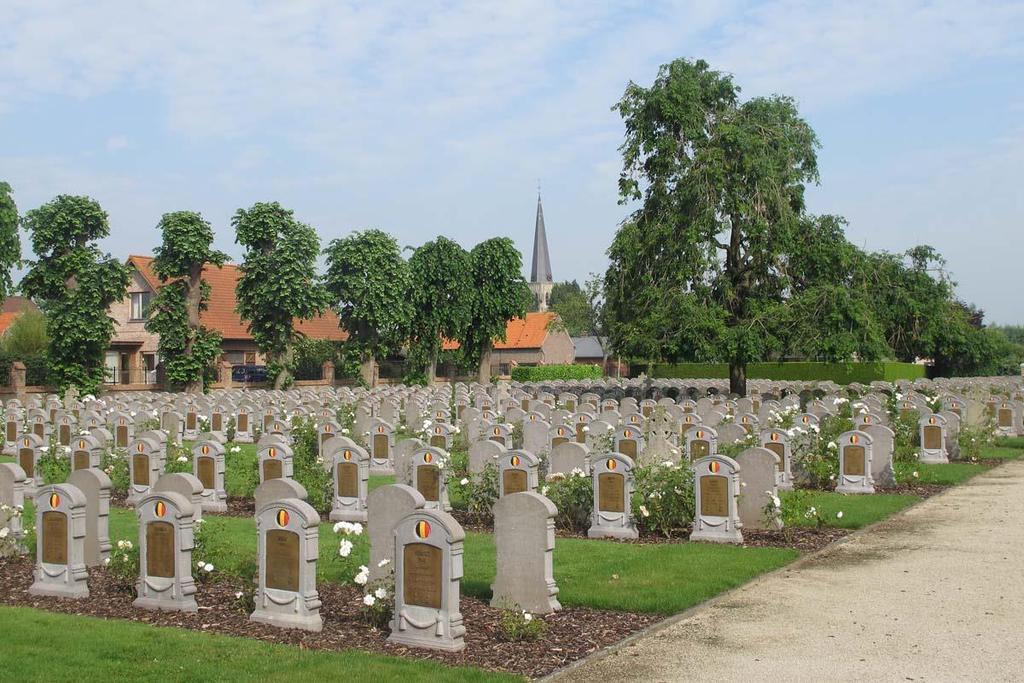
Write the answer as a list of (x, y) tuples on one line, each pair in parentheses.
[(572, 633), (804, 539), (915, 489)]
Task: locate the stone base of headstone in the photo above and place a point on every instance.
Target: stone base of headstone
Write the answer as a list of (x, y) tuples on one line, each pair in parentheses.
[(713, 536), (184, 604), (348, 516), (606, 532), (854, 488), (886, 478), (386, 471), (214, 505), (310, 622), (78, 591), (932, 458)]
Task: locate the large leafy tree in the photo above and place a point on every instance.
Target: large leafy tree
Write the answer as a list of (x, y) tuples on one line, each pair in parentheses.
[(698, 272), (279, 281), (368, 283), (499, 293), (75, 284), (187, 348), (441, 281), (579, 308), (10, 245)]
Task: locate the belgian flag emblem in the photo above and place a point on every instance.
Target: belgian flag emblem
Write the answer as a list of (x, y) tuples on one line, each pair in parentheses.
[(428, 458), (272, 452), (206, 450), (54, 501), (775, 436), (160, 509), (854, 438), (612, 463), (422, 529), (347, 454), (514, 460), (283, 517), (714, 466)]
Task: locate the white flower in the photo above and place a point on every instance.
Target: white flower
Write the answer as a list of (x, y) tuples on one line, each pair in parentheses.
[(238, 595), (915, 474), (383, 563), (182, 458), (106, 561), (236, 449), (776, 502), (338, 527), (345, 549), (208, 567), (4, 532), (380, 593), (369, 600), (644, 511), (527, 617), (839, 515), (363, 576), (832, 445), (464, 481)]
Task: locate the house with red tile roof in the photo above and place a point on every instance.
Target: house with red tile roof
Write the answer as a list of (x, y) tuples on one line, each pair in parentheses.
[(12, 307), (132, 356), (535, 339)]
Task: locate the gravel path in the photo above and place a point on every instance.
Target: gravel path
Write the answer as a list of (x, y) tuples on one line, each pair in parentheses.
[(933, 594)]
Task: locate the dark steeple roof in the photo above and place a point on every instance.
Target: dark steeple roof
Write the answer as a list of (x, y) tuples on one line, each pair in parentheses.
[(541, 271)]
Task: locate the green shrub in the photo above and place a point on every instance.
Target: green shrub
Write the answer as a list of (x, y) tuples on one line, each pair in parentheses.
[(840, 373), (308, 468), (541, 373), (664, 500), (573, 496)]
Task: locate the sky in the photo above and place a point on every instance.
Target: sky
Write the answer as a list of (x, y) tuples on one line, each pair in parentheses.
[(440, 118)]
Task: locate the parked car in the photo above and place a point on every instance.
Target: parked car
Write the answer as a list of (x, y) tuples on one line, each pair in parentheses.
[(249, 373)]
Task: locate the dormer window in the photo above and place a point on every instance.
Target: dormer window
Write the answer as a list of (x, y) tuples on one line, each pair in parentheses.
[(140, 305)]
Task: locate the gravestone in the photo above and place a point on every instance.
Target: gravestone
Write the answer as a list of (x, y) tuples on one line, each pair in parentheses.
[(777, 441), (759, 468), (275, 462), (500, 434), (12, 494), (612, 517), (483, 453), (85, 452), (517, 472), (60, 543), (30, 449), (855, 463), (932, 435), (209, 467), (569, 456), (428, 571), (429, 477), (289, 546), (629, 442), (717, 489), (187, 486), (278, 489), (351, 475), (385, 507), (243, 426), (524, 535), (701, 441), (145, 464), (883, 444), (403, 459), (165, 553), (535, 435), (381, 442), (95, 486)]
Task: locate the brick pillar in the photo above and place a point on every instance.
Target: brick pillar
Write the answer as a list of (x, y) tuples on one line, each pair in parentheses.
[(18, 379), (224, 374), (328, 371)]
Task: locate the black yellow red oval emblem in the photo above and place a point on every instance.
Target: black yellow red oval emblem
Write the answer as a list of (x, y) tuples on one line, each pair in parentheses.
[(423, 529), (283, 517), (714, 466), (612, 464), (514, 460), (160, 509), (54, 501)]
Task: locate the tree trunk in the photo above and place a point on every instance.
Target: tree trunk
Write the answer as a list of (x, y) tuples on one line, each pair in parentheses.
[(193, 299), (484, 373), (366, 370), (738, 378), (284, 378)]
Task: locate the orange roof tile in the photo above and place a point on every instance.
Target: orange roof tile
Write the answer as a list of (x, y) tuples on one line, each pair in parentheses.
[(7, 319), (220, 314), (520, 333)]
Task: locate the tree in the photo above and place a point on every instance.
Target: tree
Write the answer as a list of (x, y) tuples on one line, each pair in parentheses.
[(187, 348), (279, 281), (698, 271), (26, 336), (561, 291), (498, 293), (368, 282), (579, 308), (441, 281), (10, 244), (75, 284)]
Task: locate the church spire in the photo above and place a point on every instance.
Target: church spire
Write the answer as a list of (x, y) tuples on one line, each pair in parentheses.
[(541, 270)]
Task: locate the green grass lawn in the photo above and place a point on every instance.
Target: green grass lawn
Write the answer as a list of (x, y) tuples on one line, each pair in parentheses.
[(96, 649), (858, 510), (657, 578)]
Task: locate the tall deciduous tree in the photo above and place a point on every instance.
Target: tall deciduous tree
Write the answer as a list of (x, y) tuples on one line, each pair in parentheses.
[(698, 272), (75, 284), (441, 278), (368, 282), (499, 293), (187, 348), (279, 281), (10, 245)]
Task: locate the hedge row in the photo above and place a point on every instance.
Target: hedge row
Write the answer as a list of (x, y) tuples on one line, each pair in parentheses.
[(540, 373), (840, 373)]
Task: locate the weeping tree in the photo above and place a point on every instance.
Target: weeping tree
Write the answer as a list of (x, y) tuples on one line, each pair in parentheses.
[(187, 347), (279, 282), (10, 244), (368, 283), (440, 292), (700, 270), (499, 293), (75, 284)]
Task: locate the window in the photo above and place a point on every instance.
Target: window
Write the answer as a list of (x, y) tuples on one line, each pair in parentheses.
[(140, 305)]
